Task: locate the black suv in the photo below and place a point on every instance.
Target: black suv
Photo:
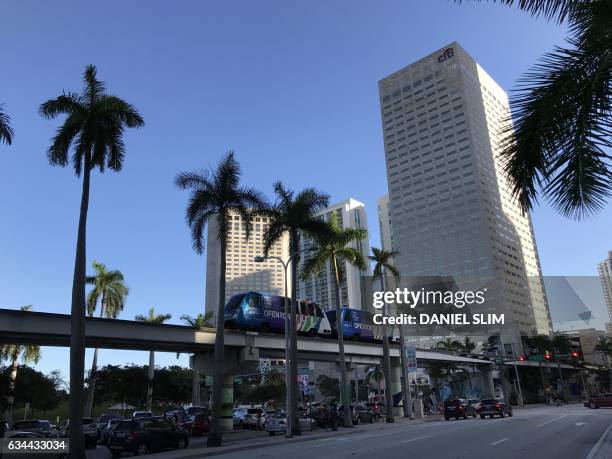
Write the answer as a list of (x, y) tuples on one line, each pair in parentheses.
[(142, 435), (458, 408)]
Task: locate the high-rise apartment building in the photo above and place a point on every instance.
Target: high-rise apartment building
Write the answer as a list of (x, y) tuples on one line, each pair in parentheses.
[(350, 214), (605, 274), (450, 204), (242, 273)]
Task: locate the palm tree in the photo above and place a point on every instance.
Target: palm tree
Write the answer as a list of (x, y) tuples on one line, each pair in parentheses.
[(110, 290), (448, 345), (12, 353), (334, 247), (93, 129), (294, 214), (468, 345), (153, 319), (542, 345), (561, 138), (377, 375), (215, 195), (382, 265), (206, 320), (6, 131)]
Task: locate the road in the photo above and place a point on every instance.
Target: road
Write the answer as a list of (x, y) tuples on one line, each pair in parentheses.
[(571, 432)]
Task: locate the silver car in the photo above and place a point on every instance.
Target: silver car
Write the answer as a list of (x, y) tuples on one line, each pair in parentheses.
[(278, 423)]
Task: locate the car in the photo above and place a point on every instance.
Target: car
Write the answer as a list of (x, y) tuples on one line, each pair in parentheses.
[(193, 410), (238, 418), (377, 408), (494, 407), (38, 426), (102, 422), (277, 422), (363, 413), (197, 425), (458, 408), (90, 431), (266, 415), (601, 400), (142, 435), (142, 414), (254, 418), (105, 432), (475, 403), (30, 436)]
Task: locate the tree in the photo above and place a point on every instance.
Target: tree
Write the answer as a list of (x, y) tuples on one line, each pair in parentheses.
[(12, 353), (468, 345), (328, 387), (377, 375), (335, 246), (110, 289), (200, 321), (294, 214), (382, 265), (6, 131), (42, 392), (152, 319), (449, 345), (560, 142), (214, 195), (93, 129)]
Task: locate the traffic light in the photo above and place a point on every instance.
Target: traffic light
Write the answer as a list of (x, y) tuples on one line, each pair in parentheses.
[(575, 355), (547, 355), (521, 358)]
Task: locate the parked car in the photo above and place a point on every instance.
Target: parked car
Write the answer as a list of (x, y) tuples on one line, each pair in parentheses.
[(193, 410), (142, 414), (277, 422), (197, 424), (105, 432), (267, 414), (458, 408), (30, 436), (90, 431), (377, 408), (254, 418), (102, 422), (494, 407), (599, 401), (37, 426), (359, 413), (142, 435)]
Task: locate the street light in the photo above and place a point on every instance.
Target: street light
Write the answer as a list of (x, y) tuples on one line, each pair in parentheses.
[(288, 385)]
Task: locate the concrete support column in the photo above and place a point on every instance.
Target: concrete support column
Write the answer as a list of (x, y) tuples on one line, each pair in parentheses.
[(227, 409), (395, 385), (487, 382)]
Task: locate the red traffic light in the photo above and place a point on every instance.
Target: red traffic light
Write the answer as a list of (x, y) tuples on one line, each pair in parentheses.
[(521, 358), (547, 356), (574, 354)]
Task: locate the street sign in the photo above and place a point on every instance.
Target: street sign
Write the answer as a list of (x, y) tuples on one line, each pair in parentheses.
[(499, 360), (411, 360), (309, 389)]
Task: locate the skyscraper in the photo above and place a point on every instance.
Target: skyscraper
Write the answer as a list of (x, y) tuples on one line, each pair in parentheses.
[(605, 274), (242, 273), (450, 205), (384, 224), (350, 214)]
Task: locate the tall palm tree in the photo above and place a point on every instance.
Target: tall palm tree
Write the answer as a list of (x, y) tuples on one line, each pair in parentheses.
[(12, 353), (468, 345), (93, 129), (154, 319), (110, 290), (383, 265), (215, 195), (334, 247), (206, 320), (561, 138), (6, 131), (449, 345), (293, 214)]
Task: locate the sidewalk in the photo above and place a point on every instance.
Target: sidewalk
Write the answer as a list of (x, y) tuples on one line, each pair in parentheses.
[(246, 440)]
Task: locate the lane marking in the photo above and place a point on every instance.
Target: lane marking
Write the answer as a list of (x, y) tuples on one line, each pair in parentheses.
[(353, 437), (415, 439), (579, 423), (595, 449), (551, 420), (498, 442)]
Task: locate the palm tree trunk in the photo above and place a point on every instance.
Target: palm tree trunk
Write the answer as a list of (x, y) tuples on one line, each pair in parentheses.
[(150, 381), (13, 380), (92, 385), (344, 395), (77, 326), (215, 437), (293, 351), (387, 363)]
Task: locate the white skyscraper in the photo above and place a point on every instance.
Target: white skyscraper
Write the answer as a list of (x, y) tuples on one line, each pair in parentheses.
[(350, 214), (242, 273), (605, 274), (450, 206)]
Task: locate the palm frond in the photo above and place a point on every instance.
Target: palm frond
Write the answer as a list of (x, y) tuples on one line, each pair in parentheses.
[(6, 131), (552, 10)]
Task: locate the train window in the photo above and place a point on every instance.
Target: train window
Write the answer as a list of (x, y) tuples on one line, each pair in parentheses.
[(311, 309)]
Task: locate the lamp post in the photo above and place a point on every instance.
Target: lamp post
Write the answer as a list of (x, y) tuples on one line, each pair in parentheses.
[(288, 383)]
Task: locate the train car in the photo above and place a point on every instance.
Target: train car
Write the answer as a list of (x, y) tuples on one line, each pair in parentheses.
[(356, 324), (266, 313)]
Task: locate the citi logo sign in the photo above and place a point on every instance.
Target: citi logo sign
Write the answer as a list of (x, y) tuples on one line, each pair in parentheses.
[(447, 54)]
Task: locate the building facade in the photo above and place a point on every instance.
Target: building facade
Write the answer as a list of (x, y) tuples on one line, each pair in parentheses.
[(605, 275), (350, 214), (242, 273), (450, 206)]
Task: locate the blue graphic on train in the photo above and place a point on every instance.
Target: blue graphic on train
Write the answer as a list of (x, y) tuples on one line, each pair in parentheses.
[(356, 324)]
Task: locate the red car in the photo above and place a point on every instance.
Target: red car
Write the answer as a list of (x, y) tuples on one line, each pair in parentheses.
[(598, 401), (197, 425)]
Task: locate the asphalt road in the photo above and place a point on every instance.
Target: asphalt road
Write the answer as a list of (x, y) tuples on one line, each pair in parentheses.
[(569, 432)]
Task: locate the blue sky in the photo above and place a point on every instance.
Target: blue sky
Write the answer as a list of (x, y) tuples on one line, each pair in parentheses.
[(290, 86)]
